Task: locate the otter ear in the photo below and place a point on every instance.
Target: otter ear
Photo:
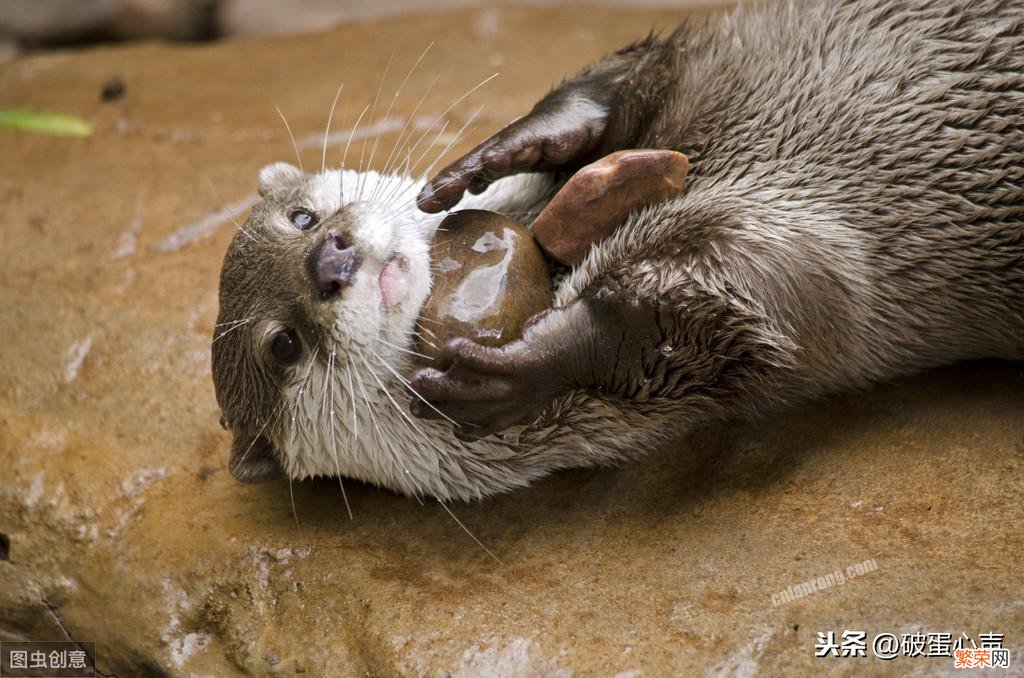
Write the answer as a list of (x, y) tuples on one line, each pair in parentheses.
[(253, 461), (278, 175)]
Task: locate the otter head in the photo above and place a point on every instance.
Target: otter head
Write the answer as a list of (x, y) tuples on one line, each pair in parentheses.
[(319, 293)]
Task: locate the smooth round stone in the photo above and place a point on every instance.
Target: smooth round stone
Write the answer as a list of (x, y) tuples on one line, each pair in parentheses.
[(489, 278), (598, 198)]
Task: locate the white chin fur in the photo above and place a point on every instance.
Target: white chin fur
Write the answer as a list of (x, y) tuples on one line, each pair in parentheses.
[(347, 412), (349, 409)]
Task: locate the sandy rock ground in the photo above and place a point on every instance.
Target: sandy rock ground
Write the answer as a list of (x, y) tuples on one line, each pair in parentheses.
[(125, 528)]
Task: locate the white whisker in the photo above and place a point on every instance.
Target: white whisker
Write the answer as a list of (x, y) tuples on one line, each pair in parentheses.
[(398, 407), (409, 124), (295, 514), (226, 209), (290, 136), (408, 386), (352, 392), (373, 109), (331, 422), (454, 104), (344, 155), (238, 323), (404, 350), (373, 420), (458, 137), (327, 131), (391, 106), (234, 322), (471, 535)]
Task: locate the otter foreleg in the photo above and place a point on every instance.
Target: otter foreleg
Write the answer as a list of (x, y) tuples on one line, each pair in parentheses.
[(677, 310), (591, 344), (593, 113)]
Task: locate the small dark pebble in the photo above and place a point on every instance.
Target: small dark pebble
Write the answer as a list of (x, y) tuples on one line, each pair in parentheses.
[(205, 472), (113, 89), (5, 547)]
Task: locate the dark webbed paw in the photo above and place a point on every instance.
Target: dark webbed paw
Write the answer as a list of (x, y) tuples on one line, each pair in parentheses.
[(590, 343), (600, 109), (557, 132), (484, 390)]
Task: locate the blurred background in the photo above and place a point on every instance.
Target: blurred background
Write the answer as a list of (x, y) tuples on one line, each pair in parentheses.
[(35, 24)]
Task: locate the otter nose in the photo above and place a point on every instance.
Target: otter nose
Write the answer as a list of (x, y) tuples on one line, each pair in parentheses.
[(334, 266)]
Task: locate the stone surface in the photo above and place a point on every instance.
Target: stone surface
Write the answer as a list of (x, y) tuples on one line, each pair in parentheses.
[(125, 527), (489, 279), (600, 196)]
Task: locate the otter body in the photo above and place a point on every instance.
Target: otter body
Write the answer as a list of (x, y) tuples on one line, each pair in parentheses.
[(854, 211)]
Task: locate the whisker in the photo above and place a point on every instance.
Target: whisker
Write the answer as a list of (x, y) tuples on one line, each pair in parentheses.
[(234, 322), (231, 215), (410, 165), (373, 109), (471, 535), (398, 190), (412, 150), (327, 132), (409, 124), (456, 103), (290, 136), (398, 407), (334, 446), (355, 416), (391, 106), (429, 320), (458, 137), (408, 386), (344, 155), (422, 338), (404, 350), (301, 389), (259, 433), (412, 488), (302, 384), (373, 420), (230, 330), (295, 513)]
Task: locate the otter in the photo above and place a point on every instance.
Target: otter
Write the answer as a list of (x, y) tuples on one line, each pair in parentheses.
[(854, 212)]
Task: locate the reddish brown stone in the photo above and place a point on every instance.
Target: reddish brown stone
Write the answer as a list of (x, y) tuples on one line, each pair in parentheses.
[(598, 198)]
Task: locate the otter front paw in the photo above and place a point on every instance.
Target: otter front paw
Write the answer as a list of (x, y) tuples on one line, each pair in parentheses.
[(557, 132), (485, 390)]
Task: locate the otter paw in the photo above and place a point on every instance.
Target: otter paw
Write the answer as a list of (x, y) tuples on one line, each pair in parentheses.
[(482, 390), (554, 134)]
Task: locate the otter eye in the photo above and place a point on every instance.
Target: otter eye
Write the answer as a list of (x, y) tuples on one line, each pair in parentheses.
[(302, 219), (286, 347)]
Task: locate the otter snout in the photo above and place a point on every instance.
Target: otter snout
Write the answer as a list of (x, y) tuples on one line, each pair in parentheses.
[(333, 266)]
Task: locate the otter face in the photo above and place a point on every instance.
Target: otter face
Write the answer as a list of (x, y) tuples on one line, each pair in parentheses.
[(319, 294)]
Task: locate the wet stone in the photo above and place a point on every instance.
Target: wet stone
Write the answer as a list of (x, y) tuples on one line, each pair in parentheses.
[(490, 278), (599, 197)]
